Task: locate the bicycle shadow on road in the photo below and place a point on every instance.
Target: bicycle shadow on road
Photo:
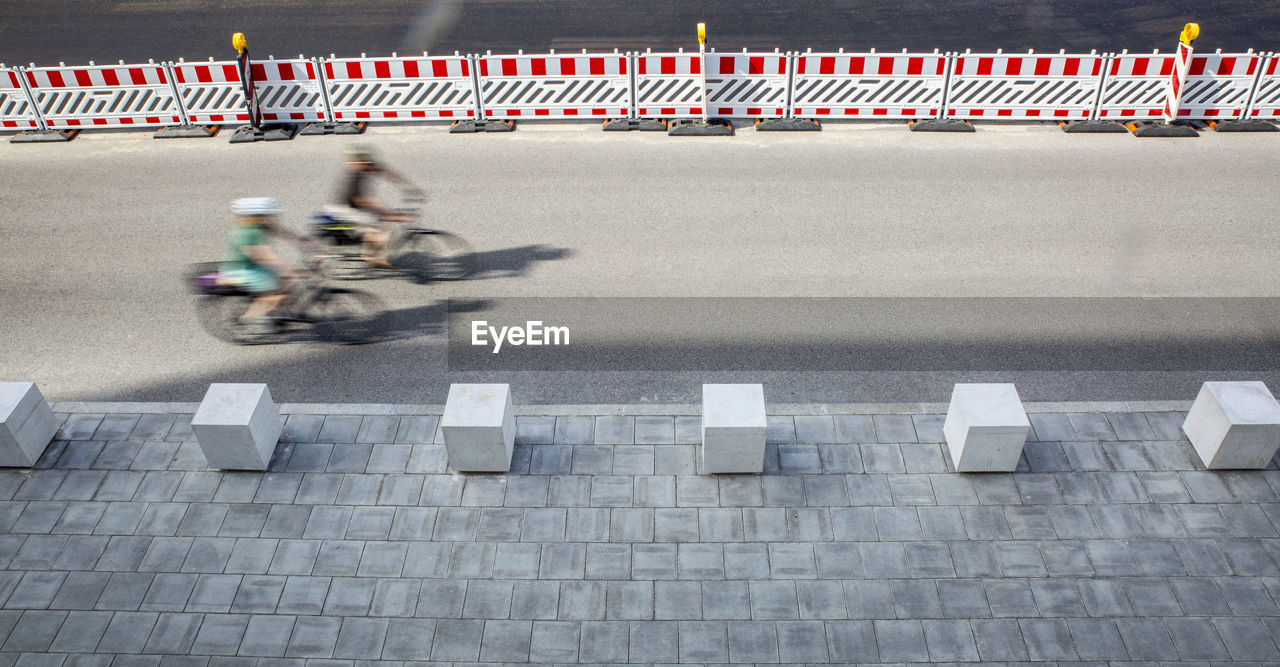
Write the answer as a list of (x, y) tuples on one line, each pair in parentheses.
[(429, 320), (514, 262)]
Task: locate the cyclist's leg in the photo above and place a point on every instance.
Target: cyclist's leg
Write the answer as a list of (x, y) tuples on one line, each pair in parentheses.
[(376, 238), (268, 289)]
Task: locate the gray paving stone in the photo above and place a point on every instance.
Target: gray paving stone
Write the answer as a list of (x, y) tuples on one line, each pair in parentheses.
[(408, 639), (79, 427), (884, 560), (1245, 638), (1246, 596), (123, 553), (471, 560), (700, 561), (124, 591), (885, 458), (251, 556), (127, 632), (773, 600), (615, 430), (1051, 427), (563, 561), (851, 642), (220, 634), (1020, 559), (1046, 457), (80, 590), (303, 595), (575, 430), (703, 641), (655, 431), (780, 430), (1097, 639), (677, 600), (678, 525), (726, 600), (930, 559), (318, 489), (267, 636), (38, 552), (744, 561), (208, 555), (587, 524), (382, 559), (313, 637), (543, 525), (1196, 639), (950, 640), (840, 459), (611, 490), (81, 631), (782, 490), (36, 590), (360, 638), (535, 600), (720, 525), (1146, 639), (608, 561), (554, 642), (548, 459), (1047, 639), (654, 642), (901, 641), (604, 641), (258, 594), (458, 640), (674, 459), (487, 599), (213, 593), (116, 427), (294, 557), (819, 599), (569, 491), (169, 592), (633, 600), (506, 641), (633, 460), (1010, 598), (997, 639), (302, 428)]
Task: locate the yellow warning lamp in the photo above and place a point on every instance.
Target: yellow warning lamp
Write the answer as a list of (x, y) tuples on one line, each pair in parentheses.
[(1189, 33), (238, 41)]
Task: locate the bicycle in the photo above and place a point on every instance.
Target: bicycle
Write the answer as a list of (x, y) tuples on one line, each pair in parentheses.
[(330, 314), (421, 253)]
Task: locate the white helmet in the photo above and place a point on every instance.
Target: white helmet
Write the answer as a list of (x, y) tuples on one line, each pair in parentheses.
[(256, 206)]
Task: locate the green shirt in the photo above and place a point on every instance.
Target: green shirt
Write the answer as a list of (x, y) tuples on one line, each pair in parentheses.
[(239, 238)]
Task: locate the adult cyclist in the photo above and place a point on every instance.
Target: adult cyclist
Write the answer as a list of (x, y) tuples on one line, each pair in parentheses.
[(359, 166), (251, 264)]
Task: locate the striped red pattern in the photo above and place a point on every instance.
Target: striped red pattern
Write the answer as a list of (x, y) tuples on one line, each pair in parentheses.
[(745, 64), (211, 72), (902, 64), (584, 65), (658, 64), (1028, 65), (357, 69), (96, 77)]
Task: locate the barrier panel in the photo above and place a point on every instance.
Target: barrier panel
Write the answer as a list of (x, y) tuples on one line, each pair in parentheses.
[(289, 90), (1218, 85), (16, 112), (1266, 96), (881, 85), (753, 85), (555, 85), (393, 88), (210, 92), (668, 84), (1024, 86), (1136, 87), (103, 95)]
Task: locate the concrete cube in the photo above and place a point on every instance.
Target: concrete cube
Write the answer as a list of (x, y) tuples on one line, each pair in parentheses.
[(479, 427), (1234, 425), (26, 424), (985, 427), (733, 428), (237, 426)]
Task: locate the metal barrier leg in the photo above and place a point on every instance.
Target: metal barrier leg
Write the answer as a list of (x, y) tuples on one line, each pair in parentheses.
[(788, 122), (942, 123), (44, 134)]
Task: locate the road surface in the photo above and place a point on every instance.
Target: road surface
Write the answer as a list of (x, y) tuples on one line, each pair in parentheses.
[(99, 231)]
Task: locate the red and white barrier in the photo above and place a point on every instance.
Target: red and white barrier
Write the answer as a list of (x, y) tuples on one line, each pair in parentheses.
[(668, 84), (1217, 85), (752, 85), (289, 91), (555, 85), (1135, 87), (1265, 103), (360, 89), (1027, 86), (869, 85), (97, 95), (15, 109), (211, 92)]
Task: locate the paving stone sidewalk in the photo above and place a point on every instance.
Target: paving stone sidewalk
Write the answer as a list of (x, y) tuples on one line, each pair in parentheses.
[(604, 545)]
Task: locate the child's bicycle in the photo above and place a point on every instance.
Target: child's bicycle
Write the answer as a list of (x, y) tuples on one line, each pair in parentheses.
[(330, 314), (422, 254)]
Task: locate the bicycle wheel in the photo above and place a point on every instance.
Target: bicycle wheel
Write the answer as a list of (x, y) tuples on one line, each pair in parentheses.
[(433, 254), (220, 316), (345, 316)]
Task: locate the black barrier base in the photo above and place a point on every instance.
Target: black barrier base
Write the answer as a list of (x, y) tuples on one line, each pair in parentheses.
[(186, 132), (314, 129), (1092, 127), (1144, 128), (42, 136), (1252, 125), (787, 125), (712, 127), (642, 124), (472, 126), (940, 125), (246, 134)]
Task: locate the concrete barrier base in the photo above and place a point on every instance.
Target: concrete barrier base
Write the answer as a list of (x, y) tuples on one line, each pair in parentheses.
[(1251, 125), (712, 127), (940, 125), (1144, 128), (1092, 127), (314, 129), (642, 124), (247, 134), (472, 126), (43, 136), (787, 125), (186, 132)]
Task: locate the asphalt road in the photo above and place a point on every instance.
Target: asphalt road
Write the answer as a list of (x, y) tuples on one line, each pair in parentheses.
[(75, 31), (99, 231)]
